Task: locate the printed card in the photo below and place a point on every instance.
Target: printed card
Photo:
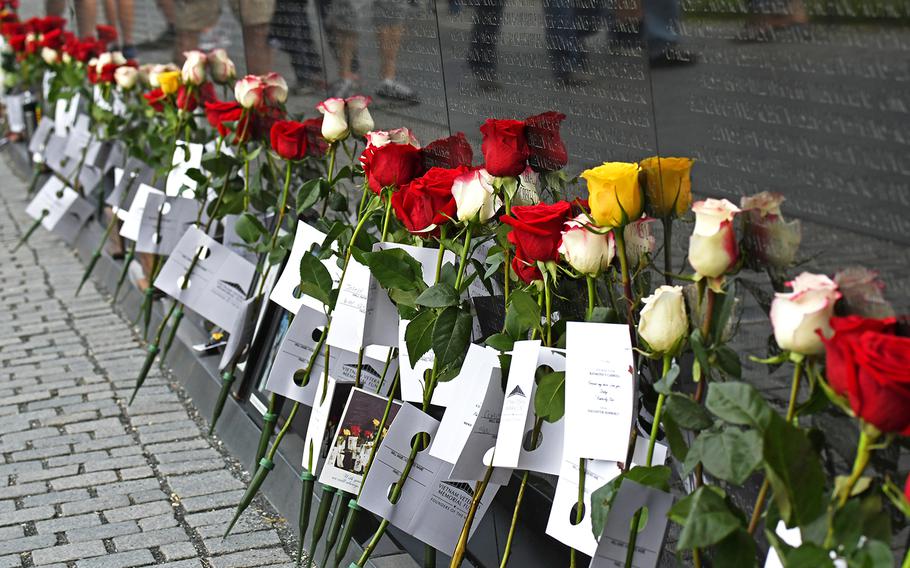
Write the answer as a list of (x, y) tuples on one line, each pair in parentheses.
[(65, 113), (614, 544), (331, 398), (562, 524), (357, 432), (430, 507), (286, 292), (239, 334), (218, 285), (38, 142), (78, 138), (513, 442), (164, 221), (132, 218), (66, 211), (54, 154), (600, 390), (471, 422), (126, 185), (15, 114), (186, 157)]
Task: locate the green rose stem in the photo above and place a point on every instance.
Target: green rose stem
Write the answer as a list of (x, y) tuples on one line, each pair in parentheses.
[(387, 193), (867, 438), (652, 440), (31, 229), (668, 245), (791, 414), (429, 558), (33, 184), (145, 310), (626, 279), (535, 434), (592, 296), (344, 498), (306, 503), (107, 233), (124, 270), (330, 172)]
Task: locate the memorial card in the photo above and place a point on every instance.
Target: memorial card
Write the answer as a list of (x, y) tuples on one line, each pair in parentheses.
[(219, 283), (614, 544), (600, 388), (37, 144), (60, 208), (78, 138), (357, 432), (164, 221), (65, 113), (328, 407), (286, 292), (240, 334), (186, 157), (132, 218), (127, 182), (15, 114)]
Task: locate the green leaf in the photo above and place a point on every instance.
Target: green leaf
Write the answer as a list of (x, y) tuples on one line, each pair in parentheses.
[(315, 280), (218, 164), (739, 403), (249, 228), (730, 454), (603, 315), (550, 398), (808, 554), (441, 295), (307, 195), (500, 342), (418, 336), (873, 554), (665, 384), (706, 518), (451, 336), (494, 264), (738, 549), (861, 519), (686, 412), (698, 347), (395, 269), (657, 476), (728, 362), (522, 315), (723, 310), (675, 437), (795, 473)]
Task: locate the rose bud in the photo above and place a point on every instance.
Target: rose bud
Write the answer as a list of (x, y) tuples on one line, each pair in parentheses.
[(126, 77), (276, 88), (614, 193), (289, 139), (639, 240), (870, 365), (49, 55), (448, 152), (392, 166), (548, 151), (169, 81), (863, 293), (663, 321), (475, 199), (221, 67), (248, 91), (768, 239), (145, 72), (359, 115), (798, 317), (193, 72), (427, 202), (712, 248), (504, 147), (334, 121), (669, 185), (588, 252), (537, 229)]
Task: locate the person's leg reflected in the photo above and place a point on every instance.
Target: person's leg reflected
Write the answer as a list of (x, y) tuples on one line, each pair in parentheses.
[(55, 7), (389, 17), (86, 17)]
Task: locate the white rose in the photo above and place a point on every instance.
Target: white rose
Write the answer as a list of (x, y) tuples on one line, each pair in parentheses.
[(797, 316), (403, 136), (248, 91), (67, 58), (276, 88), (587, 252), (475, 198), (220, 66), (712, 247), (663, 319), (49, 55), (126, 77), (193, 72), (334, 121), (359, 115)]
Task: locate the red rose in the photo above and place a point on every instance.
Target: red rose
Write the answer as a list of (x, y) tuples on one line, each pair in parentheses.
[(288, 139), (393, 165), (259, 124), (504, 147), (448, 152), (537, 229), (526, 270), (355, 430), (907, 488), (870, 365), (106, 34), (156, 99), (220, 112), (316, 145), (53, 39), (48, 23), (189, 97), (548, 151), (10, 29), (17, 43), (107, 73), (427, 200)]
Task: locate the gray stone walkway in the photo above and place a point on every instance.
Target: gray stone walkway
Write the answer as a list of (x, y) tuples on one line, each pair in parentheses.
[(86, 482)]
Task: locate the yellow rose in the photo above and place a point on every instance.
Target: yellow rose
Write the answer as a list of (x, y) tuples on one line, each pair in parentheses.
[(613, 190), (169, 81), (669, 182)]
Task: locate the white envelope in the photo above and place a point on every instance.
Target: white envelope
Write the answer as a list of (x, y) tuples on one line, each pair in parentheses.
[(431, 508), (600, 390), (132, 218), (218, 284), (286, 292)]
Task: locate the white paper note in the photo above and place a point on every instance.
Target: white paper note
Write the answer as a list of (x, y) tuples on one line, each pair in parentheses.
[(132, 219), (164, 222), (286, 292), (178, 183), (66, 211), (614, 544)]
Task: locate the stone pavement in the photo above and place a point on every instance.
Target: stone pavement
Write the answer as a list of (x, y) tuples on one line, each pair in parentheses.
[(85, 481)]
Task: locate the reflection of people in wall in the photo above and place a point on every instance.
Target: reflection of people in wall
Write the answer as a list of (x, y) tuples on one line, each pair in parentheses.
[(195, 16), (166, 37), (388, 17), (121, 12), (767, 17), (294, 35)]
